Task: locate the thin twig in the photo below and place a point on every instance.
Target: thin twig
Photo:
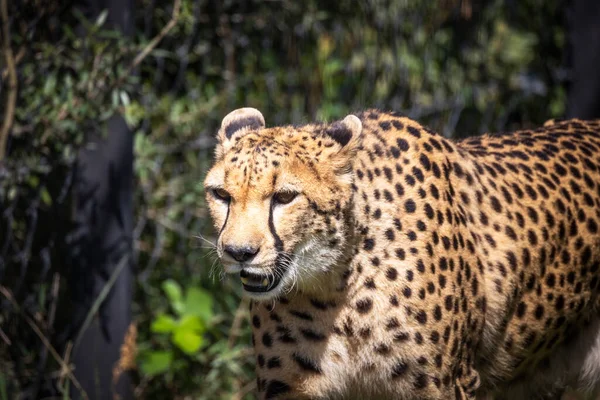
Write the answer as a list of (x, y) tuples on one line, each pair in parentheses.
[(153, 43), (249, 387), (11, 98), (100, 299), (239, 316), (65, 368), (4, 337), (18, 58)]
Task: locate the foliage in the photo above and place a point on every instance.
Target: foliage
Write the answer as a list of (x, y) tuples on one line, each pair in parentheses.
[(457, 72)]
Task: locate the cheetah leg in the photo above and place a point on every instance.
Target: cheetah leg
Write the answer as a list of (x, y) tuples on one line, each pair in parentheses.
[(466, 386)]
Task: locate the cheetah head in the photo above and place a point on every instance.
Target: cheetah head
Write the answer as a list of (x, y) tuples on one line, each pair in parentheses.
[(279, 198)]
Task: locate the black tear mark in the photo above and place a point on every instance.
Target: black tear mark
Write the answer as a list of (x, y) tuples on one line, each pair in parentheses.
[(339, 132), (246, 122)]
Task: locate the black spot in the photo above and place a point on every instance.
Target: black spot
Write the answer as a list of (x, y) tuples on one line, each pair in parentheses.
[(448, 303), (306, 363), (382, 349), (370, 283), (267, 340), (402, 144), (318, 304), (410, 206), (592, 226), (401, 337), (274, 362), (392, 324), (539, 312), (385, 125), (275, 388), (414, 131), (301, 315), (425, 161), (421, 381), (496, 204), (400, 254), (429, 211), (391, 274), (311, 335), (437, 313), (389, 234), (551, 280), (363, 306), (399, 369)]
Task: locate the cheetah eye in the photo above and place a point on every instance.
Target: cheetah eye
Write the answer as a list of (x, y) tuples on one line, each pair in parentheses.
[(221, 194), (284, 197)]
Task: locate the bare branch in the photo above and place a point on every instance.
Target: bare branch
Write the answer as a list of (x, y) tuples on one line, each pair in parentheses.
[(11, 98), (153, 43), (240, 315), (65, 368)]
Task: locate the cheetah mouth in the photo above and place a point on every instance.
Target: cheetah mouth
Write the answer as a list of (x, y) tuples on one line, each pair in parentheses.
[(258, 283)]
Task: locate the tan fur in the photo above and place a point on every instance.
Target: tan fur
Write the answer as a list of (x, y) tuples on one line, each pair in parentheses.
[(417, 267)]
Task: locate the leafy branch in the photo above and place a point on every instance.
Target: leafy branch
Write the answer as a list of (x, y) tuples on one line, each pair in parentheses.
[(11, 97)]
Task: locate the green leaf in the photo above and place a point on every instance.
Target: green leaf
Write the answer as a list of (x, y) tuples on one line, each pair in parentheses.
[(191, 323), (172, 289), (198, 302), (187, 340), (156, 362), (45, 196), (124, 98), (174, 293), (101, 18), (163, 324)]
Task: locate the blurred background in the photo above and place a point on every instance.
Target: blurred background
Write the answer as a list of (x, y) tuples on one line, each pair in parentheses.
[(108, 284)]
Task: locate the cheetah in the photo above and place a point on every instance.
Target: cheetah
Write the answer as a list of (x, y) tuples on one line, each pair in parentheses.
[(384, 261)]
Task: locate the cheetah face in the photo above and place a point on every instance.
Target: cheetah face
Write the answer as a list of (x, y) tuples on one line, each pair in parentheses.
[(278, 198)]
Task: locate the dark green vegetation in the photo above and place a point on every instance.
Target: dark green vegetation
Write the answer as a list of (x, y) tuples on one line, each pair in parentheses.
[(462, 69)]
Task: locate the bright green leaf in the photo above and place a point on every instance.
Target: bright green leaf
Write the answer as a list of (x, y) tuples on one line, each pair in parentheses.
[(191, 323), (172, 290), (163, 324), (198, 302), (156, 362), (174, 293), (187, 340)]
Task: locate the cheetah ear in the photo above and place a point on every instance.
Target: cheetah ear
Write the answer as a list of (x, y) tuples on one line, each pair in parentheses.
[(237, 123), (346, 132)]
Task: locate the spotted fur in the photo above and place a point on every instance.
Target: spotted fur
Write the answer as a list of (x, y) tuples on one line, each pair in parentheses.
[(412, 266)]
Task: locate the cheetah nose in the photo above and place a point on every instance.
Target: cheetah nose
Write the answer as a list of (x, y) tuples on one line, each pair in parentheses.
[(241, 254)]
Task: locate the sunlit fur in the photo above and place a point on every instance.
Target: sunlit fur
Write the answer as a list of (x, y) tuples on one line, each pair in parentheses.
[(252, 166), (414, 267)]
